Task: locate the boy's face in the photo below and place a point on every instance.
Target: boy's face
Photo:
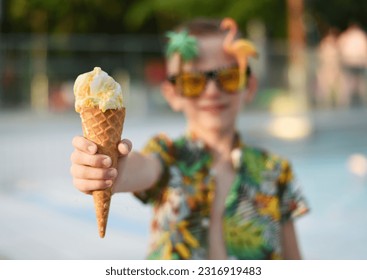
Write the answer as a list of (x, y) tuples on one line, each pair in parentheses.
[(214, 109)]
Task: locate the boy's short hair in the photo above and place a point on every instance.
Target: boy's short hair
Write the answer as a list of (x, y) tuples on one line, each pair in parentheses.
[(202, 27)]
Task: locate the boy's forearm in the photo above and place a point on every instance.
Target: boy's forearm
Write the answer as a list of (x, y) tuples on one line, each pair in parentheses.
[(137, 172), (289, 241)]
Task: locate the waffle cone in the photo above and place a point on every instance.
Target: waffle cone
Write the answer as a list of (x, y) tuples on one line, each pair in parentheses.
[(104, 129)]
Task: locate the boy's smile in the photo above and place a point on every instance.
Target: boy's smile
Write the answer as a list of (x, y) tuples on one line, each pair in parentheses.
[(214, 108)]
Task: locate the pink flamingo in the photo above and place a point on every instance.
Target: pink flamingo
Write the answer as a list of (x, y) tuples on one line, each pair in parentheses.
[(241, 49)]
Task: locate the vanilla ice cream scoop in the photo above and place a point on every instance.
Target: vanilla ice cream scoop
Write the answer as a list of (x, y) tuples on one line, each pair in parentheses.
[(97, 89)]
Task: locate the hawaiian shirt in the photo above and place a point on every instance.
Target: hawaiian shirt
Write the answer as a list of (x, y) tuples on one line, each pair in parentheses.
[(263, 195)]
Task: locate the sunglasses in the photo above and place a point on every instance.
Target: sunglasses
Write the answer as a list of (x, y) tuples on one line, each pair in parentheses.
[(192, 84)]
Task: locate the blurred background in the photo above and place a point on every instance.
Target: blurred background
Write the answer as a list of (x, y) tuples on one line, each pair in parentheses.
[(311, 107)]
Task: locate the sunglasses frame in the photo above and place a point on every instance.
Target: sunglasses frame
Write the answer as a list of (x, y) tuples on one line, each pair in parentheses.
[(212, 74)]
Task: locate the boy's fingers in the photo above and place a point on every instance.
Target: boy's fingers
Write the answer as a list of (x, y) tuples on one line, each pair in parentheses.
[(81, 158), (85, 145), (124, 147), (87, 186), (91, 173)]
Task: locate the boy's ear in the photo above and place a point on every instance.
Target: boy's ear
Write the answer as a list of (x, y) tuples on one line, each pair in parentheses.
[(170, 94), (252, 85)]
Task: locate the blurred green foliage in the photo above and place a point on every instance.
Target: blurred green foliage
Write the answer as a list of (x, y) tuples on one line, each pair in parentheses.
[(60, 16), (158, 16), (337, 13), (168, 13), (140, 16)]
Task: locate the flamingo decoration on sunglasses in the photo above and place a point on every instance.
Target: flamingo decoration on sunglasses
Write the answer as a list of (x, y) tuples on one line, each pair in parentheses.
[(241, 49)]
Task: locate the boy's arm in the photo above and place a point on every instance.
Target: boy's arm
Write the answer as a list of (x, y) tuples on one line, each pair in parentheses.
[(136, 172), (92, 171), (289, 242)]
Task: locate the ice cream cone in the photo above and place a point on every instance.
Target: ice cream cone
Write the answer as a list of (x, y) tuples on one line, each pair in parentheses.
[(99, 100), (104, 129)]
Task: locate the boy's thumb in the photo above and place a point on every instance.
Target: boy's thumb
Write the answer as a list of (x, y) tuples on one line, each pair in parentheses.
[(124, 147)]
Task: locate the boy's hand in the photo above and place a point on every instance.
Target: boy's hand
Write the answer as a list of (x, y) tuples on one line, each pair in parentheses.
[(91, 171)]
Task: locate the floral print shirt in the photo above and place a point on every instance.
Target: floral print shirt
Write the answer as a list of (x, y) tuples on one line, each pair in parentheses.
[(263, 195)]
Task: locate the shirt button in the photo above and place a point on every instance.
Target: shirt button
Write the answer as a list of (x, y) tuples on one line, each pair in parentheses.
[(205, 222)]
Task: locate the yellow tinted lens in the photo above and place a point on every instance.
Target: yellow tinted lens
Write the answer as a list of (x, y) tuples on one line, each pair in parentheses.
[(229, 79), (191, 84)]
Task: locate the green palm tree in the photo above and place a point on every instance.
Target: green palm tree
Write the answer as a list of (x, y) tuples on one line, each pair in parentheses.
[(183, 44)]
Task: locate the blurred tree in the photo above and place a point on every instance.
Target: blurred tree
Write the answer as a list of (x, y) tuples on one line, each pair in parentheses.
[(157, 16), (115, 16), (169, 13), (337, 13), (59, 16)]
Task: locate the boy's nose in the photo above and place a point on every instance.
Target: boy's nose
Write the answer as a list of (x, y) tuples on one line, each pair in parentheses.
[(211, 89)]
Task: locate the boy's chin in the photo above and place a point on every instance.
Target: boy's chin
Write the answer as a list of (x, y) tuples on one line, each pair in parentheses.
[(214, 125)]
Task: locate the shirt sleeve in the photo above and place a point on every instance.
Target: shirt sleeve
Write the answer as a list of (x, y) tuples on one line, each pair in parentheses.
[(161, 147), (292, 202)]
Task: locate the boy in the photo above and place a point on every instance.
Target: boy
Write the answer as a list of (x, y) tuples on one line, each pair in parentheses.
[(214, 197)]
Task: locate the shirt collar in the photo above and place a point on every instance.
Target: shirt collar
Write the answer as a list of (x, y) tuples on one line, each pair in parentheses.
[(236, 153)]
